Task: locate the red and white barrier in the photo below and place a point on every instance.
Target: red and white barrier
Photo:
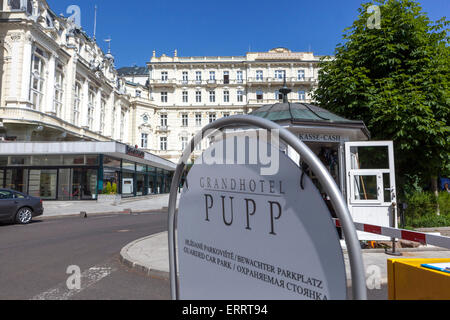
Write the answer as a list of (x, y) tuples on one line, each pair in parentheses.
[(422, 238)]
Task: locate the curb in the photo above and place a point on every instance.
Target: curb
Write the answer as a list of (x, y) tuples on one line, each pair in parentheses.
[(94, 214), (129, 262)]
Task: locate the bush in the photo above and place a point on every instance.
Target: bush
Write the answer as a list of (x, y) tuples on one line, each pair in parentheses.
[(420, 204), (432, 221), (444, 203), (114, 188), (422, 209)]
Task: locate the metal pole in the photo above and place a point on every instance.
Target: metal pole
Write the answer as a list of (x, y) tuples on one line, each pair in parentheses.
[(327, 182)]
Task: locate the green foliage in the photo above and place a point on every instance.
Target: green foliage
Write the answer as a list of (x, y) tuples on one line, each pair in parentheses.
[(395, 79), (421, 211), (421, 204), (444, 203), (114, 188), (110, 189), (428, 222)]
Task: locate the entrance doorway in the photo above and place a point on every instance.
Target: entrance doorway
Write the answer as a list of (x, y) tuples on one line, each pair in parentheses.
[(371, 187)]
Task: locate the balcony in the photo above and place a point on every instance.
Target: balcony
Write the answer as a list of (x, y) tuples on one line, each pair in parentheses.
[(169, 83), (211, 83), (260, 102), (279, 81), (162, 129)]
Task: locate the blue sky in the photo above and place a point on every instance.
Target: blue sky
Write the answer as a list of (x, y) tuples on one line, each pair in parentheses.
[(218, 27)]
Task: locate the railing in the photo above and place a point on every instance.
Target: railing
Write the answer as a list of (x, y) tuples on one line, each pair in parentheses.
[(281, 80), (162, 128), (273, 101)]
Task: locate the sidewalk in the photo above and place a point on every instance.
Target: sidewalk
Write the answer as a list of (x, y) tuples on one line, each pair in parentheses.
[(151, 255), (138, 205)]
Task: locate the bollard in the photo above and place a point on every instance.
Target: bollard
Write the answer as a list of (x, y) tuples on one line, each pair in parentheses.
[(83, 215)]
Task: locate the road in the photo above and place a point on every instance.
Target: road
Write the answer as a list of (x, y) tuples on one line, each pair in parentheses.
[(34, 259)]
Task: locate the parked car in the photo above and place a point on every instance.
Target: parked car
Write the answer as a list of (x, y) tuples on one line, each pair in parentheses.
[(19, 208)]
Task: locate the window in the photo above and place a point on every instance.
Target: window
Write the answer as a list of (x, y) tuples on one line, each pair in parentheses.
[(278, 95), (91, 107), (198, 119), (76, 104), (280, 74), (164, 97), (198, 96), (185, 97), (5, 195), (59, 83), (198, 76), (212, 75), (212, 96), (226, 77), (226, 114), (21, 5), (240, 77), (301, 74), (226, 96), (301, 95), (144, 141), (184, 143), (212, 117), (15, 4), (163, 119), (198, 147), (185, 77), (163, 143), (259, 75), (184, 120), (37, 79), (259, 95), (164, 76), (138, 93), (240, 96)]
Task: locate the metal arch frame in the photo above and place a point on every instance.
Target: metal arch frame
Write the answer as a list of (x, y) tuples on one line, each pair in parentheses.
[(328, 183)]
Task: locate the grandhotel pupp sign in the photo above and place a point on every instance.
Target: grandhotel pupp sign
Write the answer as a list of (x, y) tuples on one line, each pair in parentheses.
[(245, 236)]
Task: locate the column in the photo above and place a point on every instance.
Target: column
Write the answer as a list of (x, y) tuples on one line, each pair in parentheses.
[(84, 121), (97, 110), (26, 69), (50, 86)]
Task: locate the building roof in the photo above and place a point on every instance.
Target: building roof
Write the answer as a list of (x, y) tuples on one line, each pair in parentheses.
[(133, 71), (297, 113)]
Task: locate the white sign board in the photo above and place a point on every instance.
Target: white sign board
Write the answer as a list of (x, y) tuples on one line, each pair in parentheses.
[(243, 236)]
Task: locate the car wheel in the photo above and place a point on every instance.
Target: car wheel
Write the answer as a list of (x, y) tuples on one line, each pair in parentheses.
[(24, 216)]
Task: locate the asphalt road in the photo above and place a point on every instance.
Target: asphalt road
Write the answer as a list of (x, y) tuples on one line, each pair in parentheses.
[(34, 259)]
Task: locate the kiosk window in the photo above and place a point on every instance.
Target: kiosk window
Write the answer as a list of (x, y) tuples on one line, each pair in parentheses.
[(366, 187)]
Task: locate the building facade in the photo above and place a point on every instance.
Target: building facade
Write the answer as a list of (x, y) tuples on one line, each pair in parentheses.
[(186, 93), (58, 87)]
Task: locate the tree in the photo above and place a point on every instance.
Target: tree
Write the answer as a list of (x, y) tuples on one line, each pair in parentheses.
[(395, 78)]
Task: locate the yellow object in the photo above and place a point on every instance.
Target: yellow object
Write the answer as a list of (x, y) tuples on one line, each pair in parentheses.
[(408, 280)]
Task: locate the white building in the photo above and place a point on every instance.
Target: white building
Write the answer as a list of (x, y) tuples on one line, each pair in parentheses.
[(186, 93), (57, 87)]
